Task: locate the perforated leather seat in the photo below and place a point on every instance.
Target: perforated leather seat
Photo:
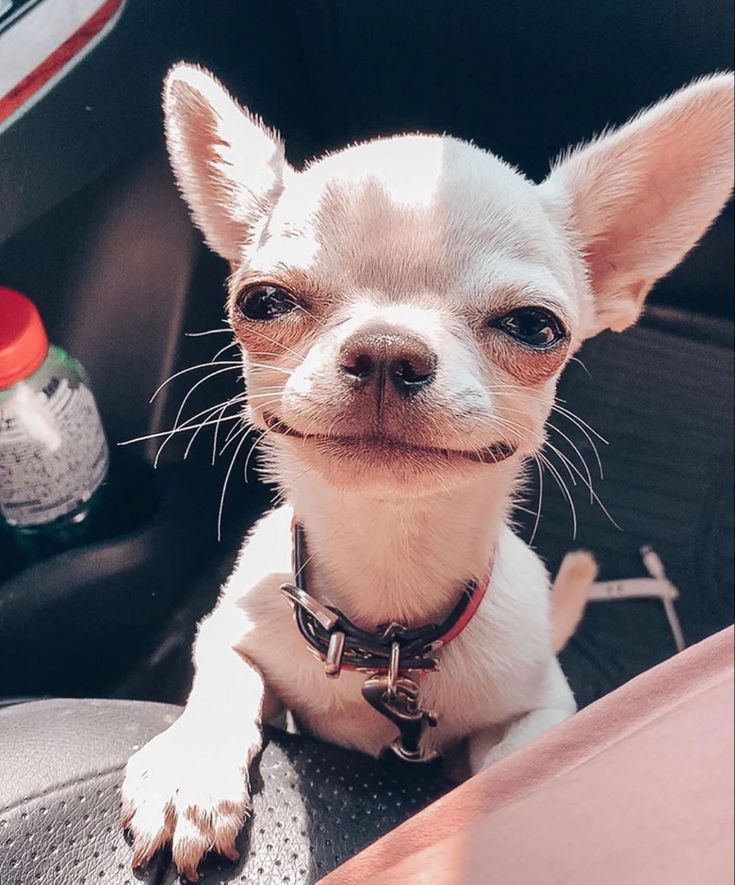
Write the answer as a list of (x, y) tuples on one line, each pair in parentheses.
[(61, 766)]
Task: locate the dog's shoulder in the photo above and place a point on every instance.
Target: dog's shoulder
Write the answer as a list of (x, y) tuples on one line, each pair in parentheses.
[(512, 628), (519, 576), (265, 556)]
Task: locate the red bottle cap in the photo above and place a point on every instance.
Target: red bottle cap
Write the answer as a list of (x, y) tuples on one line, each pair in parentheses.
[(23, 340)]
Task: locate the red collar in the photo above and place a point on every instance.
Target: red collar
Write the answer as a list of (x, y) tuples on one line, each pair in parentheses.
[(470, 609)]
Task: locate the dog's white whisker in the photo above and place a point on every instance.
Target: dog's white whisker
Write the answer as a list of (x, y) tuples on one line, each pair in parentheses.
[(303, 567), (316, 319), (199, 430), (208, 332), (224, 486), (262, 394), (564, 489), (571, 468), (194, 387), (572, 416), (224, 349), (577, 451), (270, 353), (187, 425), (285, 347), (270, 368), (537, 521), (234, 364), (576, 359), (579, 454), (589, 439), (596, 498), (181, 429), (215, 436), (249, 455), (231, 436), (182, 407), (221, 416), (564, 460)]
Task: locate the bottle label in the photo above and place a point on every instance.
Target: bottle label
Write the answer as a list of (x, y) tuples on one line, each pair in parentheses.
[(53, 452)]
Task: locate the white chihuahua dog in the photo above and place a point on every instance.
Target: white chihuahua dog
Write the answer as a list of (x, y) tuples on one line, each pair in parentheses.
[(405, 308)]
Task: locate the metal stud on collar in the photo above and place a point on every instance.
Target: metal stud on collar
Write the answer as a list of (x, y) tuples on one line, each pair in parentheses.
[(333, 660)]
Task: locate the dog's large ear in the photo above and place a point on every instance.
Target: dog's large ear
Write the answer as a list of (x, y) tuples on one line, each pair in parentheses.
[(228, 166), (640, 197)]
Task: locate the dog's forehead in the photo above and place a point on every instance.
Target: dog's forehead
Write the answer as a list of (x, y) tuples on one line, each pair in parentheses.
[(413, 212)]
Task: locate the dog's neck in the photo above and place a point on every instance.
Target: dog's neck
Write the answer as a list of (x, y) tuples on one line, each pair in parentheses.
[(403, 560)]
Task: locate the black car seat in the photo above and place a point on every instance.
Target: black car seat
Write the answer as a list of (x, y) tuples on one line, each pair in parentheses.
[(61, 763)]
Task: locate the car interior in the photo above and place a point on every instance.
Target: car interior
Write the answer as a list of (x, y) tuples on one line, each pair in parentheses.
[(95, 640)]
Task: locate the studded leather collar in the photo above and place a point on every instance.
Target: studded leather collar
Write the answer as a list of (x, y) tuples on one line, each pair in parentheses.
[(341, 644)]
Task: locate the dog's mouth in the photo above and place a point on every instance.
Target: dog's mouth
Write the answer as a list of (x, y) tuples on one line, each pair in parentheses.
[(377, 445)]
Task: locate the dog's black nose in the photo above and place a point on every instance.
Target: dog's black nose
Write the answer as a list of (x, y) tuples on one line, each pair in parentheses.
[(382, 355)]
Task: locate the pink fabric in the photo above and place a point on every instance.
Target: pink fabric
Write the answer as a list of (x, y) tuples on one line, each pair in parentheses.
[(637, 788)]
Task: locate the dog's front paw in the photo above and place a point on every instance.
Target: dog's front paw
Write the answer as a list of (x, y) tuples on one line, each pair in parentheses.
[(188, 791)]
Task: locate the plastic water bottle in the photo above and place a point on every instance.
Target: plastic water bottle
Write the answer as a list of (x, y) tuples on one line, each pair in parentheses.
[(53, 451)]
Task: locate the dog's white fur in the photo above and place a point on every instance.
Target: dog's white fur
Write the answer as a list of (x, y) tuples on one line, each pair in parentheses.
[(429, 235)]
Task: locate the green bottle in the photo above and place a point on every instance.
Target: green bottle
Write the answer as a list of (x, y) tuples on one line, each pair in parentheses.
[(53, 451)]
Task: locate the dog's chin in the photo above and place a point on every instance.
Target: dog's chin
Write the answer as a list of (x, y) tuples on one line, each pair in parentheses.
[(383, 465)]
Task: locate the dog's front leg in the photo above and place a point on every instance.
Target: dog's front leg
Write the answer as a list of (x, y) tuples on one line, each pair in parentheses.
[(190, 785), (485, 748)]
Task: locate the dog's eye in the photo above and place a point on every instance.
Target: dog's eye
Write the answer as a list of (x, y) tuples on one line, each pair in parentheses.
[(265, 302), (532, 326)]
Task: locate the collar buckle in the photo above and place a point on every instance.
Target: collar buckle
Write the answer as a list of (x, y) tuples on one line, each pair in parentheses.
[(392, 631), (296, 596)]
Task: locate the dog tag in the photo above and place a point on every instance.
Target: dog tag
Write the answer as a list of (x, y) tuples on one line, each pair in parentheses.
[(400, 704)]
